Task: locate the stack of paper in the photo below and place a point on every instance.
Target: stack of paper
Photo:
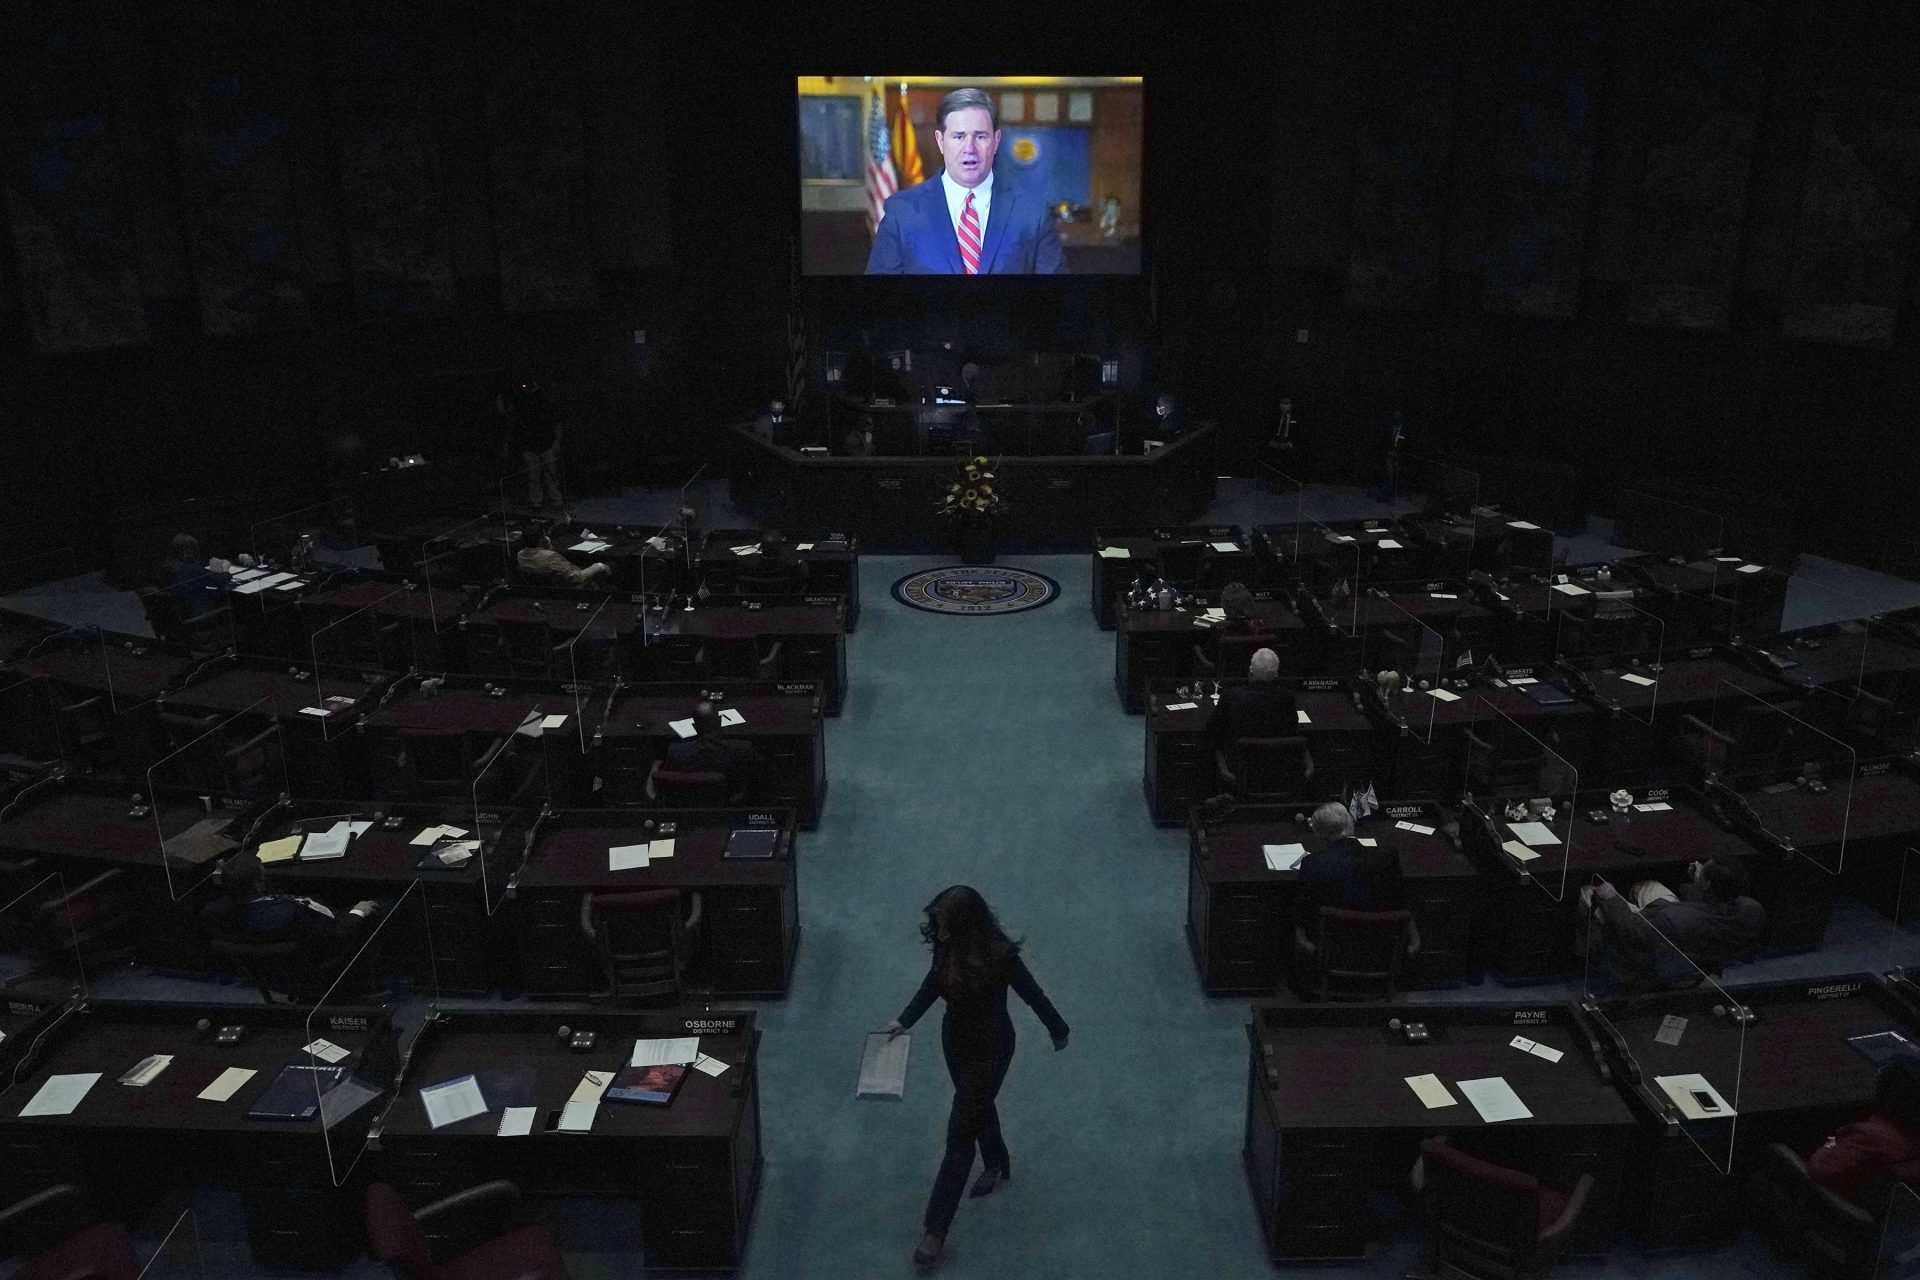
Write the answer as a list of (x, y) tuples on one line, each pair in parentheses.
[(1283, 857), (1115, 553), (627, 857), (432, 835), (453, 1101), (590, 546), (1533, 832), (883, 1067), (577, 1115), (1494, 1099), (674, 1051)]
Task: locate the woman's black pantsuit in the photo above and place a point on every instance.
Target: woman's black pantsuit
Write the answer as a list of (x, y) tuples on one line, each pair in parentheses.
[(977, 1039)]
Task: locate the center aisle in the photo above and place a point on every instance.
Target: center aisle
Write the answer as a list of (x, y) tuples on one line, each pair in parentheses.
[(992, 752)]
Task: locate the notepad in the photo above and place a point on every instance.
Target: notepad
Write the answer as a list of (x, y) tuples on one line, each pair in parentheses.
[(591, 1086), (1432, 1091), (659, 849), (516, 1122), (1368, 841), (1631, 678), (1226, 546), (453, 1101), (1388, 543), (1533, 832), (883, 1067), (1283, 857), (711, 1066), (684, 728), (673, 1051), (590, 546), (1571, 589), (322, 845), (1216, 615), (1115, 553), (328, 1051), (1657, 806), (1494, 1099), (1521, 524), (626, 857), (281, 850), (1680, 1089), (1301, 717), (577, 1117), (226, 1084), (1414, 827), (1445, 695), (1519, 851), (554, 722), (61, 1094), (730, 717)]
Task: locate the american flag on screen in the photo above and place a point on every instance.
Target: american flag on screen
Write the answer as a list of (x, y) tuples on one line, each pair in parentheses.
[(881, 179)]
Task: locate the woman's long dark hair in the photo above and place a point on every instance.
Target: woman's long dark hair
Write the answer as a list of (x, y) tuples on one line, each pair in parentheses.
[(976, 948)]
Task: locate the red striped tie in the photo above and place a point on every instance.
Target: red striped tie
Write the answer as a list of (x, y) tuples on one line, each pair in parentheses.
[(970, 238)]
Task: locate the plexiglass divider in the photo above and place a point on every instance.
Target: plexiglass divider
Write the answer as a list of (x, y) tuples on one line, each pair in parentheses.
[(1336, 576), (369, 641), (1621, 648), (1405, 658), (1783, 765), (1450, 494), (203, 609), (1531, 792), (592, 665), (1683, 1033), (179, 1255), (473, 553), (352, 1049), (30, 719), (239, 760), (1896, 888), (515, 777), (1898, 1254), (40, 955), (307, 538), (1289, 535)]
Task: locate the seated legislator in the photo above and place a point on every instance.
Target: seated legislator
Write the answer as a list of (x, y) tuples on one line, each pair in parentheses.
[(185, 577), (1345, 874), (540, 563), (1236, 601), (246, 912), (967, 220), (1648, 937), (1260, 708), (859, 441), (1861, 1161), (777, 570), (709, 750)]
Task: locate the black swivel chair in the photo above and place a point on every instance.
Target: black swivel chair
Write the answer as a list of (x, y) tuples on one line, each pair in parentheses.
[(1256, 769), (1490, 1222), (641, 940), (528, 649), (1357, 955)]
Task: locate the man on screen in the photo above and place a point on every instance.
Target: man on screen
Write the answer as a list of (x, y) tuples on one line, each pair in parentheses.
[(964, 222)]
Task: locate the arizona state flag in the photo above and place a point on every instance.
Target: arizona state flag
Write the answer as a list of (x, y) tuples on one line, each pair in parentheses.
[(906, 149)]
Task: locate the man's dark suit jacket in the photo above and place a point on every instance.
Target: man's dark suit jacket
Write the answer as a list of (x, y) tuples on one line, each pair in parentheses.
[(916, 235), (738, 761), (1263, 709), (1349, 875)]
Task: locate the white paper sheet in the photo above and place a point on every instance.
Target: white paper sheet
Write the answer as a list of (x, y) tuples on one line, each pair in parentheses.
[(730, 717), (1680, 1090), (1432, 1091), (1521, 524), (1301, 717), (1631, 678), (1445, 695), (453, 1101), (626, 857), (61, 1094), (1548, 1052), (1388, 543), (327, 1051), (1227, 547), (1369, 842), (1494, 1099), (1283, 857), (1519, 851), (554, 722), (1571, 589), (1183, 706), (147, 1070), (669, 1052), (1533, 832), (590, 546), (1414, 827), (712, 1066), (684, 728), (1115, 553), (1657, 806), (883, 1067), (1442, 595), (516, 1122), (427, 835), (226, 1084), (1750, 568), (261, 584)]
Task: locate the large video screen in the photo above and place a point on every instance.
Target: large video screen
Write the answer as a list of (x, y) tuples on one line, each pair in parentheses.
[(962, 176)]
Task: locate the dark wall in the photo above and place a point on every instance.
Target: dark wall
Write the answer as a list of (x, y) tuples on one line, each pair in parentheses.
[(254, 244)]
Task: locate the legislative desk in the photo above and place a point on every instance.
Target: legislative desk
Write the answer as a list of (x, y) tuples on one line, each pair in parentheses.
[(693, 1166), (1180, 770), (1534, 915), (750, 918), (431, 738), (577, 633), (1332, 1124), (1193, 556), (127, 1145), (246, 696), (353, 618), (1427, 743), (1639, 721), (1382, 630), (1240, 915), (120, 679), (832, 562), (470, 945), (1797, 1080), (1158, 644), (781, 720), (812, 637), (31, 1008), (1862, 831)]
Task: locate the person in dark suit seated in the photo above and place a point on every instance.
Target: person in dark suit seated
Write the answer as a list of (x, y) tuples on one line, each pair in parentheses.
[(246, 912), (710, 751), (859, 441), (184, 576), (966, 220), (1236, 601), (777, 570), (1653, 939), (771, 424), (1260, 708), (1861, 1161), (1345, 874), (539, 563)]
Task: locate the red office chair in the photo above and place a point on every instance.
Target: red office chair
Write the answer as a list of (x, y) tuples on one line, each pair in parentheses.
[(1491, 1222), (1256, 769), (398, 1236), (1800, 1219), (51, 1230), (688, 788), (640, 940), (1356, 955)]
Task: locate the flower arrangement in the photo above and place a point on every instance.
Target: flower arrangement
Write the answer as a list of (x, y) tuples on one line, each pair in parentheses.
[(972, 492)]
